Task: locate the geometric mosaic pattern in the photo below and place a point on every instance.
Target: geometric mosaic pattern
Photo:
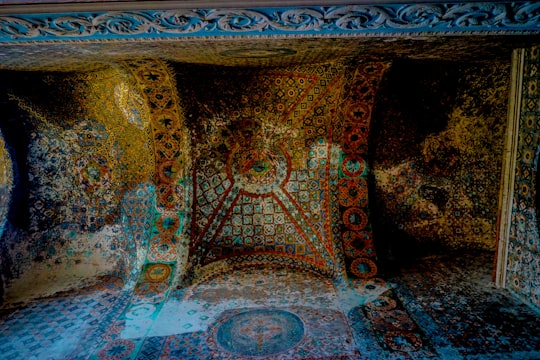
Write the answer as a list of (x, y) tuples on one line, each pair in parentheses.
[(267, 181), (244, 332), (171, 150), (523, 267), (436, 293), (278, 167), (274, 182), (273, 177), (63, 326), (394, 328), (356, 232), (276, 313)]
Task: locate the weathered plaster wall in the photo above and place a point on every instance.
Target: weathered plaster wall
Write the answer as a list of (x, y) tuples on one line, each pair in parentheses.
[(523, 267), (437, 150), (84, 160)]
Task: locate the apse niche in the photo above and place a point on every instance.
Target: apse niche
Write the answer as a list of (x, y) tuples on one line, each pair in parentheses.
[(338, 168), (82, 167), (436, 153)]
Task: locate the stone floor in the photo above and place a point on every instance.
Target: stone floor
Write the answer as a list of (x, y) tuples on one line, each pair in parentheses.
[(444, 307)]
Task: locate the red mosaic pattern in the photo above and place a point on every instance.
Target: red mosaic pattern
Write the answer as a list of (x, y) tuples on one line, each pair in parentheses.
[(356, 231), (265, 168)]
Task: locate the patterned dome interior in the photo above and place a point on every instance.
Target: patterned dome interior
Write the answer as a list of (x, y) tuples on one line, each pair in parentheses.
[(126, 152)]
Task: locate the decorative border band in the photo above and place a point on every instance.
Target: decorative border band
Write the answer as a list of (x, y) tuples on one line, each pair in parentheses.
[(439, 19)]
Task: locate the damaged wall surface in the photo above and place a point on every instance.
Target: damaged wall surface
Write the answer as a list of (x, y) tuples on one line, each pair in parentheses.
[(437, 145), (83, 182)]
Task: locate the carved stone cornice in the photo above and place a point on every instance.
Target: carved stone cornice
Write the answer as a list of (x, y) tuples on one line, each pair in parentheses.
[(351, 20)]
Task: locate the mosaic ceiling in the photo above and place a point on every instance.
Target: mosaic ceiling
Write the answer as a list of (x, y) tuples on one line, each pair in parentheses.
[(149, 163)]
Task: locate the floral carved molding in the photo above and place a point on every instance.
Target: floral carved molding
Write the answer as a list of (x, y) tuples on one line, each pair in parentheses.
[(353, 20)]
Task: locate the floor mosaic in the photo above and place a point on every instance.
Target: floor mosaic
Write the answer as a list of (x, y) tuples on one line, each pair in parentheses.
[(62, 327), (455, 302), (443, 307)]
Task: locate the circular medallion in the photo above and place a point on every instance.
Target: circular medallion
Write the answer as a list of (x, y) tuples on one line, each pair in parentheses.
[(95, 177), (157, 273), (363, 268), (168, 171), (140, 311), (357, 112), (168, 224), (258, 169), (353, 166), (260, 332), (355, 218)]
